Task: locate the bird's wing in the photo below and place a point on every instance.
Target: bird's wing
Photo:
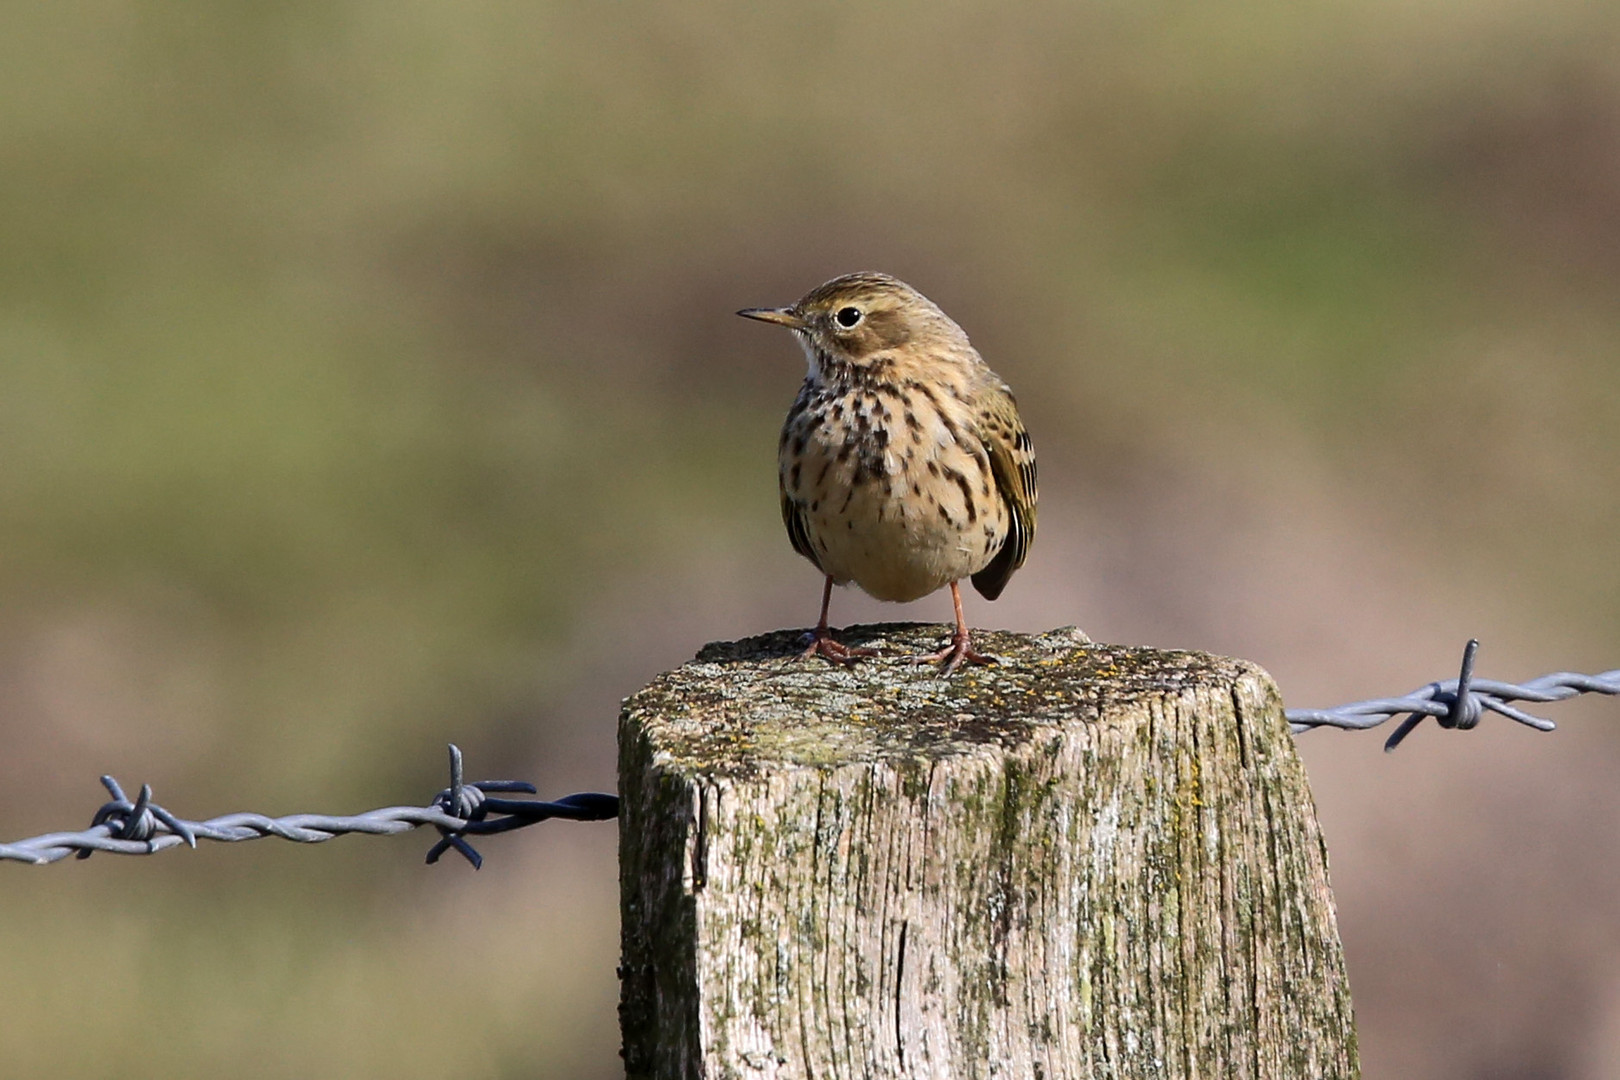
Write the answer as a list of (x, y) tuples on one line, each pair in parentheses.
[(1012, 461), (798, 532)]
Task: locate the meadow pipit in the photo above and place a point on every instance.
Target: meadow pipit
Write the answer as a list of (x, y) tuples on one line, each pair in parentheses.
[(903, 463)]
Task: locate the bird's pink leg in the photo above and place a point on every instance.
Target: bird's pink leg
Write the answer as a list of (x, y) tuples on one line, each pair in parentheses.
[(961, 649), (821, 639)]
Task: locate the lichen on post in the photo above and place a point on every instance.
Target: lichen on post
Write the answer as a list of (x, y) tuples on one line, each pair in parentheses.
[(1086, 861)]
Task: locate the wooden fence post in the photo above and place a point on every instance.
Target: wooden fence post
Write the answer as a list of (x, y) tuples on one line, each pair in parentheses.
[(1089, 861)]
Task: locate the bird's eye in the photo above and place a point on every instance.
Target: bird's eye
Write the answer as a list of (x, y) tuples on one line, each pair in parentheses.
[(848, 316)]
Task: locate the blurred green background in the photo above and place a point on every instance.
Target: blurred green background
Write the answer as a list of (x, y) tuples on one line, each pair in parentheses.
[(370, 381)]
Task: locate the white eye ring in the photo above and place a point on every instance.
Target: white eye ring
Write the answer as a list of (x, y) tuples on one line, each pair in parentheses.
[(848, 317)]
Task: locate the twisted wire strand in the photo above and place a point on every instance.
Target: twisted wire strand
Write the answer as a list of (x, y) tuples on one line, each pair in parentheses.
[(142, 827), (1457, 703)]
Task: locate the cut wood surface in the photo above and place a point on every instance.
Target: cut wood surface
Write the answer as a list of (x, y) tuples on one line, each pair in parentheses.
[(1087, 861)]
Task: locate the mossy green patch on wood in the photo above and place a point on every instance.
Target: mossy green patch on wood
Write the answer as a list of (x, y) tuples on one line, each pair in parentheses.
[(743, 704)]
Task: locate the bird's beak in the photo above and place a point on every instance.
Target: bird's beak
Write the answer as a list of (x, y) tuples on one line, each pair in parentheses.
[(780, 315)]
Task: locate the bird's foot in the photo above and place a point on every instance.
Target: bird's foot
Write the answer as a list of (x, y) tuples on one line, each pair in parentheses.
[(960, 651), (821, 643)]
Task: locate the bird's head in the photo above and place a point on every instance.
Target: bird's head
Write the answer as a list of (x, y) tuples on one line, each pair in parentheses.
[(859, 319)]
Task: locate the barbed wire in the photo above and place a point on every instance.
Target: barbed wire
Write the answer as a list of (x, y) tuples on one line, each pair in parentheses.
[(1456, 703), (143, 827)]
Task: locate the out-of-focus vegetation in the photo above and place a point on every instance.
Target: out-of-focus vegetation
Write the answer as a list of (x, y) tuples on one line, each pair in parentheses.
[(357, 356)]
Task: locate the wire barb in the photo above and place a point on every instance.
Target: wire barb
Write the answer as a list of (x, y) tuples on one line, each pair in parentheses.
[(1457, 703), (142, 827)]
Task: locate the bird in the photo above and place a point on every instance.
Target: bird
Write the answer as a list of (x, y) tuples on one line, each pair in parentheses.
[(903, 465)]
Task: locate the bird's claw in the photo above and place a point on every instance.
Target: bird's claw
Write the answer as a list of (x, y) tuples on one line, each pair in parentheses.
[(820, 643), (960, 651)]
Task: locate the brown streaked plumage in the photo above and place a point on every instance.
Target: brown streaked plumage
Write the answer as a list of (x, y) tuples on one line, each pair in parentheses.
[(903, 464)]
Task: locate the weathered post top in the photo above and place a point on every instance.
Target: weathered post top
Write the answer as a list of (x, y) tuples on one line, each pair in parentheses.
[(1088, 861)]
